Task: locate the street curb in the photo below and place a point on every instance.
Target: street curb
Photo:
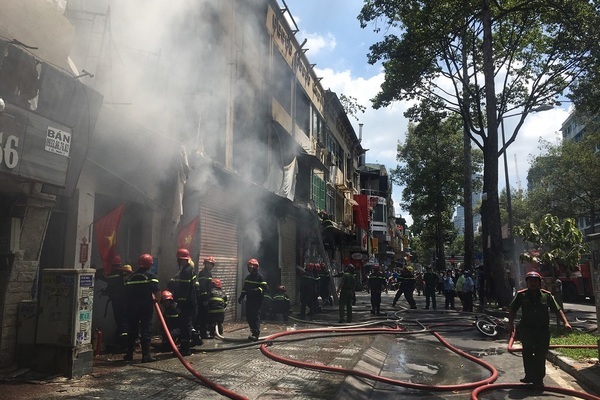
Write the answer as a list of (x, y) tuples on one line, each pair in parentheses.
[(576, 370)]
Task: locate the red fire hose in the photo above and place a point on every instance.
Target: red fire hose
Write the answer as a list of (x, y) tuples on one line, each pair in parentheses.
[(212, 385)]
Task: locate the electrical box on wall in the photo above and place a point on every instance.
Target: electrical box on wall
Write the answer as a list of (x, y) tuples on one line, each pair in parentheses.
[(64, 326)]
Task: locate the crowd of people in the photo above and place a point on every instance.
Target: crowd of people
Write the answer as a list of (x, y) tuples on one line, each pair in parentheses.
[(465, 285), (193, 303)]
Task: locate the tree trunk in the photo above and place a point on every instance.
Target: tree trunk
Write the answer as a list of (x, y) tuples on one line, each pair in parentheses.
[(439, 239), (492, 242), (468, 174)]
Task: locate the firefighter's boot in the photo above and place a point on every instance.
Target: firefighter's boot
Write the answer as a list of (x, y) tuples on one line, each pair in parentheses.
[(146, 357), (185, 348)]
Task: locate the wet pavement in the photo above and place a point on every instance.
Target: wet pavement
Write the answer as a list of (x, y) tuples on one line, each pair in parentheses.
[(335, 365)]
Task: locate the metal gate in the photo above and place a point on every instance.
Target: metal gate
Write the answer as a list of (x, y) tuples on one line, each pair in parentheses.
[(219, 238)]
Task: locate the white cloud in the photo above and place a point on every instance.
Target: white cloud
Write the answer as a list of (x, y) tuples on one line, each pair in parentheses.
[(316, 42)]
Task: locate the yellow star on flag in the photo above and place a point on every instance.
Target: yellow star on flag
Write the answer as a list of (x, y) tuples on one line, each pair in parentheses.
[(111, 239)]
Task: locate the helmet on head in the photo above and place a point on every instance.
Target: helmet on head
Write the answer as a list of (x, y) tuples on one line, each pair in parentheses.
[(376, 266), (145, 260), (216, 283), (209, 259), (127, 268), (183, 254), (533, 274), (253, 264), (409, 268), (310, 266), (281, 289), (166, 295), (116, 260), (323, 265)]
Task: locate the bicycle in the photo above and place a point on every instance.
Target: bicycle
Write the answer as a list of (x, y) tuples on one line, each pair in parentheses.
[(491, 326)]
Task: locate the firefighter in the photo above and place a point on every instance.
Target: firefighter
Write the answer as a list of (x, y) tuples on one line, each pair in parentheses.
[(407, 287), (184, 292), (217, 303), (534, 326), (115, 290), (346, 292), (324, 282), (266, 306), (254, 287), (307, 291), (377, 283), (171, 315), (430, 279), (204, 279), (141, 291), (281, 304)]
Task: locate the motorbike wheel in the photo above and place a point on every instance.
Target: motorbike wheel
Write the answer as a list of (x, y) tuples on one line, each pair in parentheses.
[(487, 328)]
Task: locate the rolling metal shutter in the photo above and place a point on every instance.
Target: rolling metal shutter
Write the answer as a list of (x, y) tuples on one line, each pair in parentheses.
[(219, 238)]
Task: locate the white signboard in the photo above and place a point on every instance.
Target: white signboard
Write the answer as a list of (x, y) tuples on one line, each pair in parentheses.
[(58, 141)]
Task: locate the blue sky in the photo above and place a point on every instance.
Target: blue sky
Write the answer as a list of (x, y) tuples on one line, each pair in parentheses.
[(339, 47)]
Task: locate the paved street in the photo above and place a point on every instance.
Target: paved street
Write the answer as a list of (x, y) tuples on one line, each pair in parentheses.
[(414, 365)]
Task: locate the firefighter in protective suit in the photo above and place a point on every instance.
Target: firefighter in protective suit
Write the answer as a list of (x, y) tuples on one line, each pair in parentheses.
[(281, 304), (141, 290), (308, 291), (254, 287), (534, 326), (346, 292), (204, 285), (407, 287), (115, 290), (216, 307), (171, 315), (184, 292)]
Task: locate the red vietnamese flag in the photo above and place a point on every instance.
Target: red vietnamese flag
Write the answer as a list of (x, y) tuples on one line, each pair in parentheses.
[(185, 238), (105, 230)]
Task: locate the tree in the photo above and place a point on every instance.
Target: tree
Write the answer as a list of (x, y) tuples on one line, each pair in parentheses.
[(440, 49), (431, 168), (351, 105), (565, 181), (558, 245)]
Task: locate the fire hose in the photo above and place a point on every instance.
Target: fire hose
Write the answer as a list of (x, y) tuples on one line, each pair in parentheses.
[(267, 343), (210, 384)]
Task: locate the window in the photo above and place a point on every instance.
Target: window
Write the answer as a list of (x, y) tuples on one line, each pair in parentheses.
[(318, 191)]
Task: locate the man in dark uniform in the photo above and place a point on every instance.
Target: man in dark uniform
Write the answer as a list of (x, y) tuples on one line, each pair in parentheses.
[(115, 290), (204, 281), (308, 291), (141, 290), (377, 284), (254, 287), (183, 289), (430, 279), (324, 282), (346, 292), (534, 326), (171, 315), (406, 287), (281, 304)]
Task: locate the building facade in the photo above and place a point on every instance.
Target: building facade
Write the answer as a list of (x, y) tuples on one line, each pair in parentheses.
[(210, 117)]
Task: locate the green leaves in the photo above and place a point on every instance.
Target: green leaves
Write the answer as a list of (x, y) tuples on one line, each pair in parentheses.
[(557, 244)]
